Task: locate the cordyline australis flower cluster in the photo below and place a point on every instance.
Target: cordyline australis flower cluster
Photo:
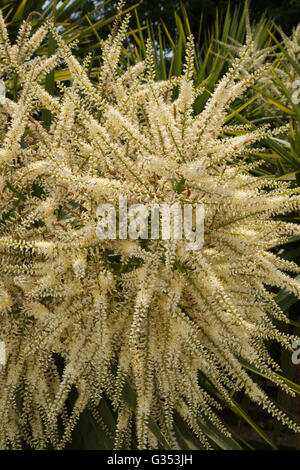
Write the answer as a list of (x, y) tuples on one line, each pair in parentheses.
[(284, 66), (148, 312)]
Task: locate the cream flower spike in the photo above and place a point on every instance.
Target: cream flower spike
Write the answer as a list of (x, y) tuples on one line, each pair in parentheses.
[(80, 313)]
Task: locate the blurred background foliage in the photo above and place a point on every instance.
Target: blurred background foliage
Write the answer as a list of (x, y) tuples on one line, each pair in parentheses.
[(283, 12), (218, 28)]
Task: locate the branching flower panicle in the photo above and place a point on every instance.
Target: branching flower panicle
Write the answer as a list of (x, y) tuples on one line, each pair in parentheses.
[(149, 312)]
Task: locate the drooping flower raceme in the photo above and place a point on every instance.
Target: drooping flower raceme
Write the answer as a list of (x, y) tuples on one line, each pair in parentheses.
[(148, 312)]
